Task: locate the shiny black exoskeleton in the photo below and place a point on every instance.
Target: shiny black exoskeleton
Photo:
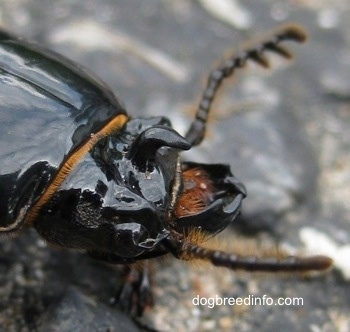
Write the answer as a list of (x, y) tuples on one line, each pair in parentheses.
[(85, 175), (118, 196)]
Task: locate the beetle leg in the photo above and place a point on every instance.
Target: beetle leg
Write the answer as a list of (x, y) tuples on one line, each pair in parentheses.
[(196, 132), (136, 294)]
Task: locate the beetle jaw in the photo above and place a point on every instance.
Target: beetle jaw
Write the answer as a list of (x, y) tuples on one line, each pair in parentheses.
[(210, 199)]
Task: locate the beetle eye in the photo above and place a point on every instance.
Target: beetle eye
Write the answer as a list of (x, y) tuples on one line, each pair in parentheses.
[(146, 144)]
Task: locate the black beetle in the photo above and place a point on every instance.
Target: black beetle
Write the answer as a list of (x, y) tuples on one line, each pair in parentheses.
[(85, 175)]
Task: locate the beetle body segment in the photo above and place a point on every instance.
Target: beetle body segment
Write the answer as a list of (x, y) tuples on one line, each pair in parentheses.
[(49, 108)]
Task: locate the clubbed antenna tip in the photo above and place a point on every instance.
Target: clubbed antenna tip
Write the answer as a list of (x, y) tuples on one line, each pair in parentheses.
[(292, 32)]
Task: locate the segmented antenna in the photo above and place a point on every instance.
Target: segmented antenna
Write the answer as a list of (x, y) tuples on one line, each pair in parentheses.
[(234, 262), (294, 33)]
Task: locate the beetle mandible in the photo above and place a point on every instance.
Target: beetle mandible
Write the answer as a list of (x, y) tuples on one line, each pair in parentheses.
[(82, 172)]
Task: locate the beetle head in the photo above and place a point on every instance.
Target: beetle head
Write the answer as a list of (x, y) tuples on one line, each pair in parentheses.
[(150, 188), (144, 159)]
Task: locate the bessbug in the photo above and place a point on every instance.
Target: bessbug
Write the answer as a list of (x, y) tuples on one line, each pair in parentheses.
[(85, 175)]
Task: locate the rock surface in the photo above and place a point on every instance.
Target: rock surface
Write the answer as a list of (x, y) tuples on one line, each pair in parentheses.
[(285, 132)]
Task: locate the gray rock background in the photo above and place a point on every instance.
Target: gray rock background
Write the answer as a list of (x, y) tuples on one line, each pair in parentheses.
[(285, 132)]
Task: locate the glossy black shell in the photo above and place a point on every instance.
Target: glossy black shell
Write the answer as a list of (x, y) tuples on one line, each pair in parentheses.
[(119, 201), (49, 107)]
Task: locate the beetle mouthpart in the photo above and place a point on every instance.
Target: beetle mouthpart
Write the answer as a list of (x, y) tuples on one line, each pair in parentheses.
[(190, 251), (146, 144), (197, 194), (209, 199)]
